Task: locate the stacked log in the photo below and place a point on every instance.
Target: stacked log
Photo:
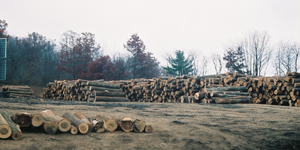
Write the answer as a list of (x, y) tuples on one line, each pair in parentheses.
[(4, 94), (16, 91), (84, 90), (168, 89)]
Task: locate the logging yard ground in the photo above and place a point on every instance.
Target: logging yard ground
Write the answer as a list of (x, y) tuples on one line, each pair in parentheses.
[(176, 125)]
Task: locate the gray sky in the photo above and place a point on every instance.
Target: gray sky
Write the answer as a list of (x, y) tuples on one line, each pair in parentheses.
[(164, 25)]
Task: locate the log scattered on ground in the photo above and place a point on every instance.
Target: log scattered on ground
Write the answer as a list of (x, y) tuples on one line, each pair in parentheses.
[(5, 128), (81, 126), (64, 125)]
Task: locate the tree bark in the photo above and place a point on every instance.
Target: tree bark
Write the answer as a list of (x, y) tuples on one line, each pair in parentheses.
[(79, 124), (64, 125)]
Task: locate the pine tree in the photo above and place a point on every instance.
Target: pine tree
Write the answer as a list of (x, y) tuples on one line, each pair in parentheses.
[(179, 65)]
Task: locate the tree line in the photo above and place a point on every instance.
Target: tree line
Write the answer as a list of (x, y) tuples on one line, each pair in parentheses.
[(36, 60)]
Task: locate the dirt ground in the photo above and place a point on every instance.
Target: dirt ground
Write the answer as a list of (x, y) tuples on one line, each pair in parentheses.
[(177, 126)]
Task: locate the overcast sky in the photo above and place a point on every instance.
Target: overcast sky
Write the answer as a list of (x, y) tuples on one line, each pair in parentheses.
[(164, 25)]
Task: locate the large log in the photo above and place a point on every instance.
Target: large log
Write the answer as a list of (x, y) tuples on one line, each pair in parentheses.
[(110, 99), (82, 127), (50, 127), (199, 95), (232, 100), (109, 94), (37, 120), (229, 88), (5, 128), (96, 88), (126, 124), (98, 125), (23, 119), (82, 117), (111, 124), (139, 125), (102, 84), (64, 125)]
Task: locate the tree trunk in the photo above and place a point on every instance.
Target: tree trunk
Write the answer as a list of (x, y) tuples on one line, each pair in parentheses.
[(7, 127), (110, 99), (64, 125), (83, 118), (79, 124), (98, 126), (37, 120), (139, 125), (111, 124), (96, 88)]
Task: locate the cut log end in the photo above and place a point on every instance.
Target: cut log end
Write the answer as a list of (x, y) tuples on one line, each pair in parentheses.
[(148, 129), (73, 130), (37, 120), (126, 124), (17, 135), (83, 128), (64, 125), (139, 125), (111, 125), (5, 131), (50, 127)]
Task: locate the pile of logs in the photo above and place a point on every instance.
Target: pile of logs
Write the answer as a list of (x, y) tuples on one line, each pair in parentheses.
[(68, 122), (84, 90), (4, 94), (16, 91)]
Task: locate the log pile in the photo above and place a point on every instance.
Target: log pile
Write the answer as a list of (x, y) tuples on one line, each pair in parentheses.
[(84, 90), (4, 94), (16, 91), (68, 122)]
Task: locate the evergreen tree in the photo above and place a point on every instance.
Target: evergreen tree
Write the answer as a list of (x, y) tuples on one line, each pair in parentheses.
[(179, 65), (235, 60)]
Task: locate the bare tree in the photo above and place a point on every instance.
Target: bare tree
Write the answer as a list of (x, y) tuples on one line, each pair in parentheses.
[(217, 62), (203, 66), (295, 48), (195, 56)]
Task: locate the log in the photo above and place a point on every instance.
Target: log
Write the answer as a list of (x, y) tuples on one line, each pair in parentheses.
[(229, 88), (148, 129), (50, 127), (109, 94), (82, 117), (199, 95), (96, 88), (111, 124), (16, 131), (5, 128), (102, 84), (79, 124), (98, 126), (37, 120), (232, 100), (217, 93), (110, 99), (139, 125), (23, 119), (126, 124), (64, 125), (73, 130)]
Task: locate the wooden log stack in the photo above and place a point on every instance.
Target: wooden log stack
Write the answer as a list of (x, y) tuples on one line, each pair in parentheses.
[(16, 91), (84, 90)]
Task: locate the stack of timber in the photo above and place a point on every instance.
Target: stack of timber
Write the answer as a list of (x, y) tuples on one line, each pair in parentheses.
[(75, 123), (16, 91), (4, 94), (85, 90), (168, 89)]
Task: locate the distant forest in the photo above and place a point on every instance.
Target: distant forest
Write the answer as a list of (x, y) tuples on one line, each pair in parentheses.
[(36, 60)]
